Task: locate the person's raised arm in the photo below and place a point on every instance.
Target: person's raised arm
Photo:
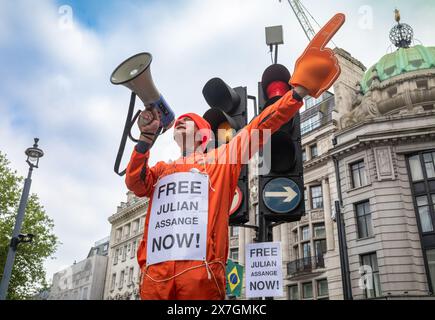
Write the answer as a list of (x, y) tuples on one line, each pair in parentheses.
[(315, 72), (140, 178)]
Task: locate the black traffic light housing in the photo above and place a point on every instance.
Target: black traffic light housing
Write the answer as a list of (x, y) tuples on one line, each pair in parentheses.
[(229, 111), (286, 149)]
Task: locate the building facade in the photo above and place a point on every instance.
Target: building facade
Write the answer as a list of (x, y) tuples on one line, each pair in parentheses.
[(123, 272), (385, 151), (83, 280)]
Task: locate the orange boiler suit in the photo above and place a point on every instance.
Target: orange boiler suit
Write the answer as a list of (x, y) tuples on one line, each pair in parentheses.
[(204, 280)]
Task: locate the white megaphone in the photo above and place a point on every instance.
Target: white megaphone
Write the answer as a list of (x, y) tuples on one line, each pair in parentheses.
[(134, 73)]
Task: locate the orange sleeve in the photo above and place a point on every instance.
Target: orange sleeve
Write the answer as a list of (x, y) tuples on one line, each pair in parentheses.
[(140, 178), (243, 146)]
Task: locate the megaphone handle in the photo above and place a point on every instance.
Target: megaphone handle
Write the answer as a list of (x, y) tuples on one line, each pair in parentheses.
[(133, 121), (126, 132)]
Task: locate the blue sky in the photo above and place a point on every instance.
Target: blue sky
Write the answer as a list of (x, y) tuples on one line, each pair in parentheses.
[(56, 82)]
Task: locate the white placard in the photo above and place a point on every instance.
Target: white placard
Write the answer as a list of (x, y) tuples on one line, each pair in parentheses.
[(177, 227), (263, 270)]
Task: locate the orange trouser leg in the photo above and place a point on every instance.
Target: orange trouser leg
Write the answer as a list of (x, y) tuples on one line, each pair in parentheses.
[(152, 290), (195, 284)]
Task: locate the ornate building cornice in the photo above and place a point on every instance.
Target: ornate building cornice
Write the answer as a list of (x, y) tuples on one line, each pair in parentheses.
[(129, 209)]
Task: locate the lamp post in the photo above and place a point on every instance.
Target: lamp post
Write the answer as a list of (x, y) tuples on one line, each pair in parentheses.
[(33, 155)]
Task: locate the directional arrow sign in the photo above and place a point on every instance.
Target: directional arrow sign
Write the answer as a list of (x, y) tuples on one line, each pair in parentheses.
[(289, 194), (281, 195)]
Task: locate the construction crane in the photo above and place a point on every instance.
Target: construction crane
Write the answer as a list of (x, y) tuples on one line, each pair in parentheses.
[(298, 9)]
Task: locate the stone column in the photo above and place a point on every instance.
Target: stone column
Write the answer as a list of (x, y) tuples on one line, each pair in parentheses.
[(276, 232), (329, 225)]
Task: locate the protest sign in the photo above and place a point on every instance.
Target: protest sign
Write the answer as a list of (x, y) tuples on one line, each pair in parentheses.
[(178, 218), (263, 270)]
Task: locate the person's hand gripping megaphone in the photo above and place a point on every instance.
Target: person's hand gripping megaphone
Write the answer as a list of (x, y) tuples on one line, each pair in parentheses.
[(317, 68), (148, 123)]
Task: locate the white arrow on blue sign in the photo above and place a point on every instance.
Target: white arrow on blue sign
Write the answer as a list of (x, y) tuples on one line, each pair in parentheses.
[(281, 195)]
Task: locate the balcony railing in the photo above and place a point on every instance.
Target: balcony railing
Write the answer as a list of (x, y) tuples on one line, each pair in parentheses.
[(305, 265)]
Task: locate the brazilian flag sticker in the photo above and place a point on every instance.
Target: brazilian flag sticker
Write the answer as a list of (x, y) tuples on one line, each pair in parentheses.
[(234, 279)]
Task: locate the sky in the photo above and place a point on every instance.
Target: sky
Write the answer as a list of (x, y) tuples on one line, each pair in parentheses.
[(56, 57)]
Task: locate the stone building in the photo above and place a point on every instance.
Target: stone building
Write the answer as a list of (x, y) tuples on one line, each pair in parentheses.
[(385, 150), (123, 273), (83, 280)]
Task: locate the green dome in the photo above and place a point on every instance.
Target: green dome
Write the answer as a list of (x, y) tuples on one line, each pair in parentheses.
[(400, 62)]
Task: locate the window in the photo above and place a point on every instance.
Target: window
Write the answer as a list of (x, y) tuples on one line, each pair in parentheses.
[(293, 292), (429, 164), (304, 155), (296, 253), (319, 230), (112, 284), (234, 254), (322, 288), (320, 247), (115, 257), (307, 290), (364, 220), (133, 250), (295, 235), (358, 173), (118, 234), (106, 247), (130, 276), (126, 231), (305, 233), (415, 166), (311, 123), (124, 253), (306, 251), (135, 226), (314, 152), (141, 223), (424, 213), (234, 231), (430, 254), (422, 84), (121, 280), (316, 197), (369, 262)]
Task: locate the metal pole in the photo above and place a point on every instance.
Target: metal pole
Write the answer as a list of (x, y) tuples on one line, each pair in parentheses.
[(276, 54), (265, 235), (342, 244), (17, 229)]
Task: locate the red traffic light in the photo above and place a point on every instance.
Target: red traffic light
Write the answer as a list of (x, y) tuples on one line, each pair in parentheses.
[(277, 89)]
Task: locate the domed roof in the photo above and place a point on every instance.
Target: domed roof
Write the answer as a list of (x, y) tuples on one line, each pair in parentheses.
[(399, 62)]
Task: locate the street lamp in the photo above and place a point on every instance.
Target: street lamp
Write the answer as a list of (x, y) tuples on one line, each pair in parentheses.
[(33, 156)]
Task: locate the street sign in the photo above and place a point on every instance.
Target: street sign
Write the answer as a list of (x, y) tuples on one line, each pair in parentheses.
[(237, 200), (281, 195)]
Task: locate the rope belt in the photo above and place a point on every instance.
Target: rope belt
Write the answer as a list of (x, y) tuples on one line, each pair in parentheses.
[(207, 267)]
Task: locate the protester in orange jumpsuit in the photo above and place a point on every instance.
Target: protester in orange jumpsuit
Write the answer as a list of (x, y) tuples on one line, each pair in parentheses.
[(315, 72)]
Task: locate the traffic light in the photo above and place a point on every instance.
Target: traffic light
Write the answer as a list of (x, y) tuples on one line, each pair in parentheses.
[(228, 115), (281, 189)]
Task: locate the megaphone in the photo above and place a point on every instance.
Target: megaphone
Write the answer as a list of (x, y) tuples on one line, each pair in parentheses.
[(134, 73)]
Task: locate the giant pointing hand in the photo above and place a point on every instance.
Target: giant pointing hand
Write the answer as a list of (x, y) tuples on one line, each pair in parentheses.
[(317, 68)]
